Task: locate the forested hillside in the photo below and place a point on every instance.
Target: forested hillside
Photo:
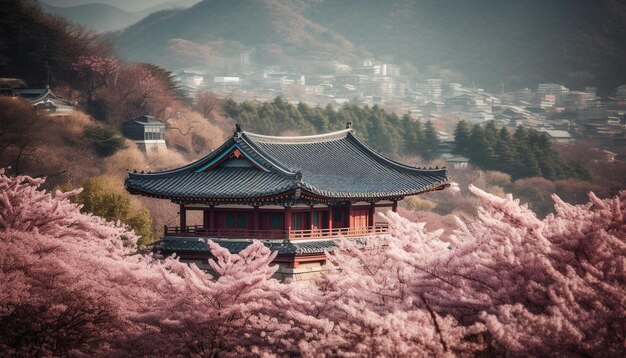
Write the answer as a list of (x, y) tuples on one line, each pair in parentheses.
[(385, 132), (526, 153), (33, 44)]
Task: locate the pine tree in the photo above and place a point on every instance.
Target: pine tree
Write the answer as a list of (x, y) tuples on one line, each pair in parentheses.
[(531, 165), (491, 133), (478, 151), (462, 134), (410, 139), (431, 141), (504, 152)]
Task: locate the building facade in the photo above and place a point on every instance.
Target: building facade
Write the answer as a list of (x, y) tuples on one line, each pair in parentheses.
[(43, 99), (296, 194), (147, 133)]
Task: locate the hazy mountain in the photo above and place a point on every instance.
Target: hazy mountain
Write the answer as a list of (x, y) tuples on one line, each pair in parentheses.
[(108, 17), (492, 43), (513, 43), (215, 32), (165, 5), (98, 17), (126, 5)]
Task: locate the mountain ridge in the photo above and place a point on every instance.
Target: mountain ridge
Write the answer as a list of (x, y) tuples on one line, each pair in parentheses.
[(273, 27), (495, 44), (104, 17)]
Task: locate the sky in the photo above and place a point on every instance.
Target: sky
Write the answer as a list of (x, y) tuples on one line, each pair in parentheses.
[(127, 5)]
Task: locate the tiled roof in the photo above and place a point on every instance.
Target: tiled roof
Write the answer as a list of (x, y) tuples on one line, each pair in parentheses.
[(169, 245), (37, 94), (219, 182), (335, 166)]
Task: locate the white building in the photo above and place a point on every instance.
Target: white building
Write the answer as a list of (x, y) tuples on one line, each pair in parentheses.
[(557, 135)]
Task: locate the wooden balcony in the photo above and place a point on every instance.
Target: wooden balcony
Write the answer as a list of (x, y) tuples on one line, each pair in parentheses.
[(199, 231)]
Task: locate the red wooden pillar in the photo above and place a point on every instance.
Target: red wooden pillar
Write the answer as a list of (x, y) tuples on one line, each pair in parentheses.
[(372, 217), (256, 218), (183, 218), (394, 206), (347, 221), (287, 219), (311, 217), (212, 225), (330, 217), (205, 219)]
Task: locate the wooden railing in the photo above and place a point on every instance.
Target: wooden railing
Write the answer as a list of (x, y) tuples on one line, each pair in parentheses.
[(197, 230)]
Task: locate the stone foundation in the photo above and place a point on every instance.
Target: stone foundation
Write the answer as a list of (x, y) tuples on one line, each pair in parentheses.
[(305, 273)]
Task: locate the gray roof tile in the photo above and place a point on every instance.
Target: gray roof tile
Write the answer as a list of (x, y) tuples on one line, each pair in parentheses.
[(168, 245), (335, 165)]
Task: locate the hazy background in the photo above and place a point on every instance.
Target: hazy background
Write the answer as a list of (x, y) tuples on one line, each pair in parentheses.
[(497, 45)]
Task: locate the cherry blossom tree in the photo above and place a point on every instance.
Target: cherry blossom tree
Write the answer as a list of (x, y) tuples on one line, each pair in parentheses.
[(507, 283), (57, 273), (70, 284), (536, 287), (96, 72), (206, 102), (137, 91)]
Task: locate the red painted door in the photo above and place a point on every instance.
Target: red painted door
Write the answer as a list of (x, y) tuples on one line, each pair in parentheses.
[(359, 220)]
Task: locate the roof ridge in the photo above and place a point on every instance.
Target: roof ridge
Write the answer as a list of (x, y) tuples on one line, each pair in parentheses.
[(315, 138), (382, 159), (280, 169), (186, 167)]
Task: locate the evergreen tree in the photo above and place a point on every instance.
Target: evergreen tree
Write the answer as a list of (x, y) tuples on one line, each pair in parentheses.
[(410, 139), (231, 108), (431, 141), (531, 165), (478, 151), (491, 133), (504, 152), (462, 134)]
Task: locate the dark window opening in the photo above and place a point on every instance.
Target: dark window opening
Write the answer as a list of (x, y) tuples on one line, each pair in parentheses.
[(230, 221), (276, 221), (242, 221), (337, 214)]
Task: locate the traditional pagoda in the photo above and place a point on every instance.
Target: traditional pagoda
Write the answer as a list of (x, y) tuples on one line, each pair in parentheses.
[(296, 194)]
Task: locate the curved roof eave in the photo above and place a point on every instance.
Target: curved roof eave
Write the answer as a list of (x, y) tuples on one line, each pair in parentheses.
[(393, 163), (440, 185), (265, 196)]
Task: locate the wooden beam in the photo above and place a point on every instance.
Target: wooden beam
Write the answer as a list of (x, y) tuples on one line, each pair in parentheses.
[(256, 218), (182, 214), (330, 217), (288, 218), (212, 225)]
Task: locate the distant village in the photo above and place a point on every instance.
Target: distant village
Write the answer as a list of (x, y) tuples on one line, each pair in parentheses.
[(562, 114)]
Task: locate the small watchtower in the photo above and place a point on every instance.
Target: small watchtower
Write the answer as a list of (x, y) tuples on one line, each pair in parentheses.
[(147, 132)]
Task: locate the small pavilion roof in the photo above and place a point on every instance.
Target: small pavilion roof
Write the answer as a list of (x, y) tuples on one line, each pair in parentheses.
[(326, 167), (36, 95)]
